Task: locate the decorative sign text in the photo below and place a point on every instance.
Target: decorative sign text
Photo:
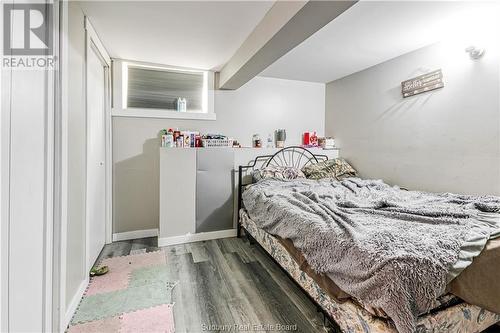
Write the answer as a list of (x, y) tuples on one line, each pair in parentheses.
[(422, 83)]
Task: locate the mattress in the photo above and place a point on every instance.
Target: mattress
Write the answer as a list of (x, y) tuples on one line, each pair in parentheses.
[(390, 248), (477, 284), (339, 295), (354, 318)]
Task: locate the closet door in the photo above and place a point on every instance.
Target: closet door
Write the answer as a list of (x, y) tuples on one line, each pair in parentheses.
[(96, 155), (214, 189)]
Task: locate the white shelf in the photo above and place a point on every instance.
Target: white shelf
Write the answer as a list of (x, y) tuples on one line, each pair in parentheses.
[(166, 114)]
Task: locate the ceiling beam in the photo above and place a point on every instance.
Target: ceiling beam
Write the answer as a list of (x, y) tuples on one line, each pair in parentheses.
[(286, 25)]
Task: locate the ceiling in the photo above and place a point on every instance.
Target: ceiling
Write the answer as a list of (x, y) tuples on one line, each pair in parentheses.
[(197, 34), (372, 32)]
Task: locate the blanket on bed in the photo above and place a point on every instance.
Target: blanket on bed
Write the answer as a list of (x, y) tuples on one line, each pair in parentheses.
[(387, 247)]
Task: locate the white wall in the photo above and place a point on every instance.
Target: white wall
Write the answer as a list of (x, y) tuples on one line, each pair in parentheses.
[(446, 140), (76, 154), (260, 106), (26, 200), (4, 195), (27, 197)]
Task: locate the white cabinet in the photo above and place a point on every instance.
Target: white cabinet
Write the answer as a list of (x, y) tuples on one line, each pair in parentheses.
[(198, 191), (177, 192), (196, 194)]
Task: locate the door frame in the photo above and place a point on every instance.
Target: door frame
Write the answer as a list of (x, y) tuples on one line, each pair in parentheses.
[(64, 312), (92, 40)]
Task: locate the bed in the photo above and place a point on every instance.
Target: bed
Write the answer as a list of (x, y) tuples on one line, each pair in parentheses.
[(448, 313)]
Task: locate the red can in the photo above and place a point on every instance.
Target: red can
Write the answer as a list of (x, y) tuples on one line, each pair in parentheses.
[(306, 140)]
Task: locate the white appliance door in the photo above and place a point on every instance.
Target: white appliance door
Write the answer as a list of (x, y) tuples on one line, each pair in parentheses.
[(96, 150)]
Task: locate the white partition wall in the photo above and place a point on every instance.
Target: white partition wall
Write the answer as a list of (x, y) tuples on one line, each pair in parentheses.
[(27, 182)]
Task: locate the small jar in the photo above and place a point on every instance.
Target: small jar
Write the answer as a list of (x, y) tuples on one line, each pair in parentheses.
[(257, 143)]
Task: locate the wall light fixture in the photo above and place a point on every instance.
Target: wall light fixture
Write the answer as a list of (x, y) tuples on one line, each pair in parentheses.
[(475, 52)]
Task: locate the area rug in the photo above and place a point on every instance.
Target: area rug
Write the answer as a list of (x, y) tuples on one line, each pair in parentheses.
[(134, 296)]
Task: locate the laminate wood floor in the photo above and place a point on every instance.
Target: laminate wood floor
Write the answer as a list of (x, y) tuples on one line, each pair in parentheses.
[(228, 282)]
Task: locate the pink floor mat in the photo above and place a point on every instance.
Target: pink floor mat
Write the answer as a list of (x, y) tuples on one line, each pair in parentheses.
[(159, 319), (120, 269), (127, 274)]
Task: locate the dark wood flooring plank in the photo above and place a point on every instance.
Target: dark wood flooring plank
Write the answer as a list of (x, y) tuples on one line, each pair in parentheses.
[(116, 249), (230, 279), (180, 249), (187, 310), (198, 251), (173, 275), (213, 295), (235, 245), (294, 293), (241, 309), (225, 245), (149, 244), (192, 310), (282, 308), (257, 307)]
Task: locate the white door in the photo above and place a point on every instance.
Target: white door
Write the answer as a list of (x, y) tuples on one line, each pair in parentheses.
[(96, 155)]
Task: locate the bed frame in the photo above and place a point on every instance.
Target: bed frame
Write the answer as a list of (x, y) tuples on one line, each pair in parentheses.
[(348, 316), (293, 156)]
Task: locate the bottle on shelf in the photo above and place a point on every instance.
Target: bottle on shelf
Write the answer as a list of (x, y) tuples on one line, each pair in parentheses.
[(257, 143), (169, 138), (270, 141), (181, 104)]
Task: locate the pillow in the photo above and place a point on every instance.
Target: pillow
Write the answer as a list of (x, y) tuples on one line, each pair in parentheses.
[(277, 172), (337, 168)]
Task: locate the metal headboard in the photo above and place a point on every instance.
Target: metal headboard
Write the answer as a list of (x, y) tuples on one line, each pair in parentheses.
[(293, 156)]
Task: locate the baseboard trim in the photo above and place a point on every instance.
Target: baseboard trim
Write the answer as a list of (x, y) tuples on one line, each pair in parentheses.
[(75, 301), (121, 236), (202, 236)]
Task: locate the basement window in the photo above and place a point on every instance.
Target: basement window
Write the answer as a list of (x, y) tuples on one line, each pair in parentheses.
[(165, 92)]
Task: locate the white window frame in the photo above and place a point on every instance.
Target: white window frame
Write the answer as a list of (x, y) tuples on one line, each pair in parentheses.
[(120, 85)]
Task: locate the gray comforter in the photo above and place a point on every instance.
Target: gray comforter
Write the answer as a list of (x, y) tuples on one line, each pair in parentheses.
[(387, 247)]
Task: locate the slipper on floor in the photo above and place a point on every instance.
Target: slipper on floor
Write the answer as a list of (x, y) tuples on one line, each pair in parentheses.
[(98, 271)]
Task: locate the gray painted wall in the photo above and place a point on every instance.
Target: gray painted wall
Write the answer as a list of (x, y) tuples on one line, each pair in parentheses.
[(260, 106), (75, 261), (447, 140)]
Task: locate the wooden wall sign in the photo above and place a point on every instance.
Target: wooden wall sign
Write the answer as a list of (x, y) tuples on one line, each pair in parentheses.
[(422, 83)]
